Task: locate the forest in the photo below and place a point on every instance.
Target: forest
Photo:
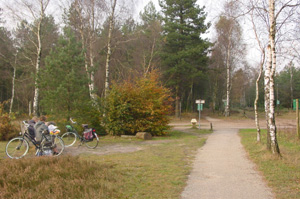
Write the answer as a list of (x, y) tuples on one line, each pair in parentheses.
[(70, 68)]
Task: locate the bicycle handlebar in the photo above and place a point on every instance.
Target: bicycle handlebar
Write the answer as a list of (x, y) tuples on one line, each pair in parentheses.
[(25, 123), (72, 121)]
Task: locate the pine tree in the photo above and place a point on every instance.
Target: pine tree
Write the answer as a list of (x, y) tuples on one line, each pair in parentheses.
[(185, 53), (63, 82)]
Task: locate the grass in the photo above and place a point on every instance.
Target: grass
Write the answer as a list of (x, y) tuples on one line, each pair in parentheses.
[(281, 173), (157, 171)]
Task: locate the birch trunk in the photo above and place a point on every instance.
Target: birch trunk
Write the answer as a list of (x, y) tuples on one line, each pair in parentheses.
[(13, 87), (37, 68), (90, 57), (273, 130), (267, 94), (258, 137), (108, 55), (262, 62), (228, 78)]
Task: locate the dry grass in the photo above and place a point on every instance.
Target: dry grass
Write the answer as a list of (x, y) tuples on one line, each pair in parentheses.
[(281, 173), (64, 177), (157, 171)]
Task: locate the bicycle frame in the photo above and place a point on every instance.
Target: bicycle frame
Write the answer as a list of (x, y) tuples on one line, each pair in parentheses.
[(27, 136), (81, 138), (72, 135)]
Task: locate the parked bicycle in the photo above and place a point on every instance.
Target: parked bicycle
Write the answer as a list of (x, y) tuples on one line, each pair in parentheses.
[(89, 136), (50, 144)]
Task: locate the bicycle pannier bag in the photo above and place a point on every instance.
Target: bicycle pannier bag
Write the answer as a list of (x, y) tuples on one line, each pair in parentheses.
[(88, 134)]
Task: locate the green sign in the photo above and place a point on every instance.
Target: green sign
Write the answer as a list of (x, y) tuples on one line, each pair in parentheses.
[(199, 107), (294, 104), (278, 102)]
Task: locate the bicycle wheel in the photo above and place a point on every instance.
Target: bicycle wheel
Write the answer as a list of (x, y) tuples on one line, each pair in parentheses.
[(58, 146), (93, 143), (17, 148), (69, 138)]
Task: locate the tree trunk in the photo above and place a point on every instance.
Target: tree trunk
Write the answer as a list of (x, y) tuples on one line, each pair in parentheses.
[(273, 130), (108, 55), (267, 94), (13, 86), (177, 103), (37, 69), (89, 70), (228, 79), (258, 137), (93, 95)]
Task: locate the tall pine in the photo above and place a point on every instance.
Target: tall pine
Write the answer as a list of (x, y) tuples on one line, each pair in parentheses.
[(63, 81), (184, 55)]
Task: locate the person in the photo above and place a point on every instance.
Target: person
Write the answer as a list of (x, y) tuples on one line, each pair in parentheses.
[(40, 126), (31, 129)]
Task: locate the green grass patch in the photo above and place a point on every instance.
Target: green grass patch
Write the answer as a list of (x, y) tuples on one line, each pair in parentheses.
[(158, 171), (282, 174)]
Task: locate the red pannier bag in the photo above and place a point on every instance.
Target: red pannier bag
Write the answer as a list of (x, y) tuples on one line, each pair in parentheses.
[(88, 134)]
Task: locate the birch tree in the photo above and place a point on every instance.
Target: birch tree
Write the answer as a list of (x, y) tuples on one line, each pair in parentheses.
[(275, 15), (35, 11), (89, 13), (229, 39), (112, 11), (262, 49)]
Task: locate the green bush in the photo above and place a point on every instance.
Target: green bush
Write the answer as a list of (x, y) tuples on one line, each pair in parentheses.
[(7, 130), (139, 106)]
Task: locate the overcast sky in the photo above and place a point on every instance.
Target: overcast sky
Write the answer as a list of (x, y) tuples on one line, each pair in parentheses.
[(212, 7)]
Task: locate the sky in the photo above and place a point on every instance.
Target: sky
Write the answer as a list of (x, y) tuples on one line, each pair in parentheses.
[(212, 7)]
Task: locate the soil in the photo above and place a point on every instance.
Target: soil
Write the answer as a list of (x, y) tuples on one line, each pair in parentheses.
[(183, 125), (113, 148)]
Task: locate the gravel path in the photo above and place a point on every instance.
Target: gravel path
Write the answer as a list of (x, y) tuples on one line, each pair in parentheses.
[(222, 170)]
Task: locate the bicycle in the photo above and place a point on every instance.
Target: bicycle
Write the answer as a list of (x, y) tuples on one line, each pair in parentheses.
[(89, 138), (18, 147)]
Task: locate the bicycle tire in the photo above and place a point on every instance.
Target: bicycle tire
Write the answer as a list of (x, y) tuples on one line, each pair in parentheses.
[(69, 139), (92, 144), (17, 148), (58, 146)]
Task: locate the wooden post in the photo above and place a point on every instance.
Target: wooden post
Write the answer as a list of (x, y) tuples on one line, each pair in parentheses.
[(29, 108), (297, 117)]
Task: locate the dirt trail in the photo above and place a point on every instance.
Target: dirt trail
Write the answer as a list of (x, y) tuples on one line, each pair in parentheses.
[(222, 170)]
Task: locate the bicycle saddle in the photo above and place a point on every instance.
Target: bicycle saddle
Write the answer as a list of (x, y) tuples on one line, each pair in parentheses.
[(85, 126)]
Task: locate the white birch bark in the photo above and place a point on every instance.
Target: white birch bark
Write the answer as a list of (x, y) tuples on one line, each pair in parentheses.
[(228, 78), (37, 14), (38, 61), (13, 86), (273, 130), (267, 93), (87, 41), (92, 57), (108, 55), (262, 62), (258, 137)]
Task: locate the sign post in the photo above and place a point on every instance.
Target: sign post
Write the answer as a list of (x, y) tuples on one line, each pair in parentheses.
[(296, 108), (200, 108), (297, 117)]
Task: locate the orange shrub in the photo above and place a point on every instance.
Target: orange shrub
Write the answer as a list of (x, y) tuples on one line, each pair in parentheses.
[(140, 106), (7, 130)]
